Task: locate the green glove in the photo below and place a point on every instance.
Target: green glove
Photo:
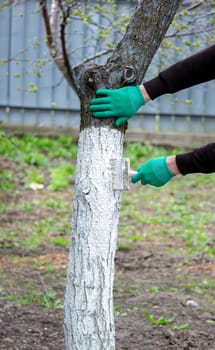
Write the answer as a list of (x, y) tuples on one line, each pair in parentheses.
[(154, 172), (121, 103)]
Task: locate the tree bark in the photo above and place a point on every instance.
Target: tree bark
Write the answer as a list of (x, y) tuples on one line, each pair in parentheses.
[(89, 320)]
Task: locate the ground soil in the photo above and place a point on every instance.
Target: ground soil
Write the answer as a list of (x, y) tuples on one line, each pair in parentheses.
[(33, 327), (147, 263)]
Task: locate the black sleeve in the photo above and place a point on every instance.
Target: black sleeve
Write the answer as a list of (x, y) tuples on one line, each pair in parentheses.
[(191, 71), (200, 160)]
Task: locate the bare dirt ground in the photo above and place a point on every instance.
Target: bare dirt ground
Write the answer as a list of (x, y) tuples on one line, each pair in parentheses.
[(34, 327), (160, 302)]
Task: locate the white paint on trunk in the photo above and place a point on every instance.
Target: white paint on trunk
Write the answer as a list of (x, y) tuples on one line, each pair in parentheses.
[(89, 319)]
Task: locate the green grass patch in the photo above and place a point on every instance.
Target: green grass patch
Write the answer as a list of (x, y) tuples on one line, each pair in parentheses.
[(164, 321), (7, 182), (60, 242), (47, 298), (61, 176), (184, 207)]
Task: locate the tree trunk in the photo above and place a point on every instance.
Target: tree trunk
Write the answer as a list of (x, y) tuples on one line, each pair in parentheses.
[(89, 320)]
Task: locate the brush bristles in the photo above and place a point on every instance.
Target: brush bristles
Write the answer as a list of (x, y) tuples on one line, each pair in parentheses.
[(120, 173)]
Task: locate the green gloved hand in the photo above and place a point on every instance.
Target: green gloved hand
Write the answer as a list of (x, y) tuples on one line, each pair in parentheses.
[(154, 172), (121, 103)]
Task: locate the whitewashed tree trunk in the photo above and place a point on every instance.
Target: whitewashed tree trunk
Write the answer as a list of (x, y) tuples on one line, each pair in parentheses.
[(89, 321)]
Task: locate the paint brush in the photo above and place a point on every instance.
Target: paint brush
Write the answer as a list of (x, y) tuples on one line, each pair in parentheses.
[(121, 173)]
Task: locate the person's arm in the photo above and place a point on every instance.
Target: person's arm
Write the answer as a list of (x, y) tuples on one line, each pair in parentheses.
[(158, 171), (124, 102), (145, 94), (172, 165), (195, 69), (200, 160)]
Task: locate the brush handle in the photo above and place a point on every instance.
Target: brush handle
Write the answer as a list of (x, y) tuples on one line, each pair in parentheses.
[(131, 173)]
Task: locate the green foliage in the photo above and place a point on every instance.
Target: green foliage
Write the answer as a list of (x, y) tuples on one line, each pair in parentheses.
[(6, 180), (178, 208), (35, 177), (104, 24), (47, 299), (35, 158), (5, 4), (181, 213), (38, 153), (61, 176), (123, 312), (113, 20), (5, 143), (163, 321), (181, 209), (133, 289), (138, 153), (60, 242), (154, 289), (33, 88), (64, 148), (197, 286)]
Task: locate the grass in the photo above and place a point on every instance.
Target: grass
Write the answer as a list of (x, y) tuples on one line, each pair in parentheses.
[(164, 321), (33, 154), (180, 208), (123, 312), (47, 299), (183, 210), (199, 287), (192, 285)]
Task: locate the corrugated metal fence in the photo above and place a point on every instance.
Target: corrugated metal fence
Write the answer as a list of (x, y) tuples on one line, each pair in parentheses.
[(33, 92)]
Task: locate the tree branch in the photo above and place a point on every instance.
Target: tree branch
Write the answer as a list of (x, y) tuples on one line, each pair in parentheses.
[(60, 57), (90, 58), (51, 44), (192, 23), (144, 33), (66, 15), (98, 25), (181, 35), (195, 5), (53, 20)]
